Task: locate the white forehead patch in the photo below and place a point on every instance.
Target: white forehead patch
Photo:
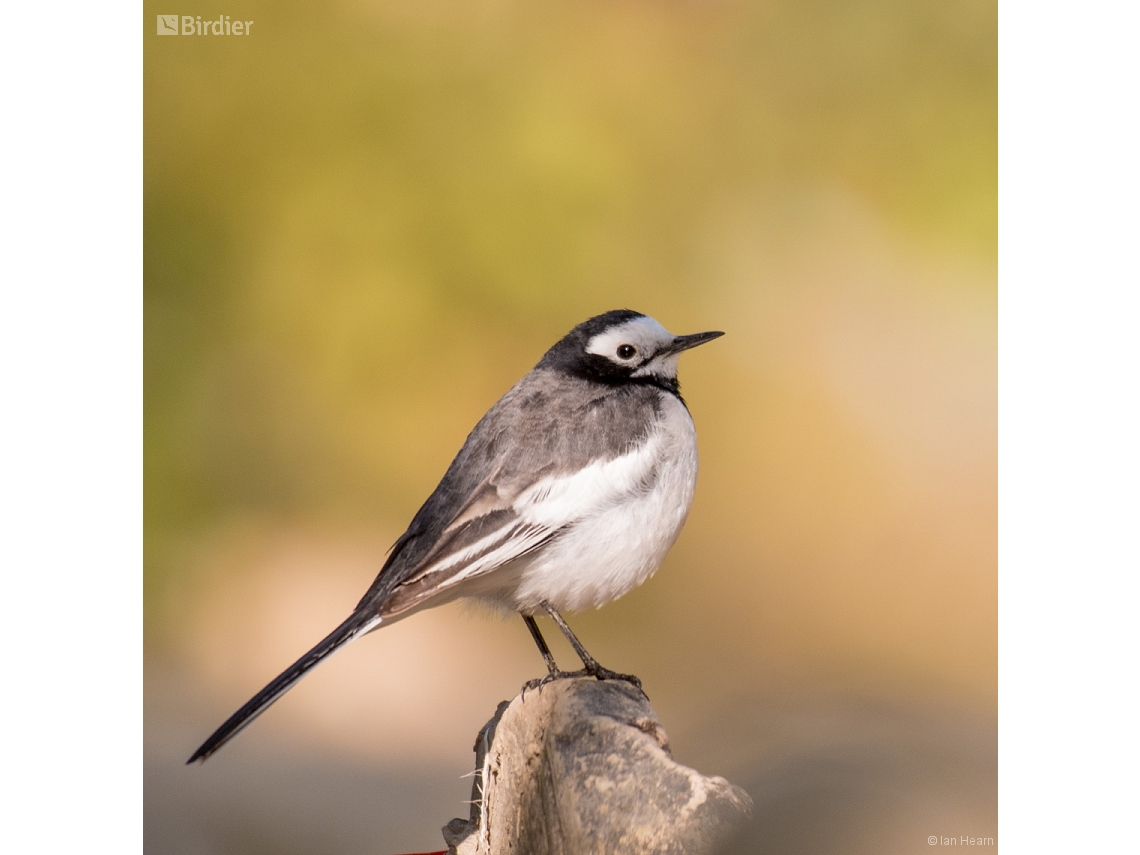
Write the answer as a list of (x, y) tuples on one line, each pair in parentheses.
[(644, 333)]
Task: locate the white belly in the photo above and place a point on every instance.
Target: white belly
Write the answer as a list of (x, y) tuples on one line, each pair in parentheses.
[(612, 551)]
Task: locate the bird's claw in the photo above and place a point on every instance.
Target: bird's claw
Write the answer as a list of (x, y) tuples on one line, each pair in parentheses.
[(596, 671), (539, 682), (599, 673)]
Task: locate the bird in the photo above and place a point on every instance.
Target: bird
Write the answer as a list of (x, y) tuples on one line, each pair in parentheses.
[(567, 494)]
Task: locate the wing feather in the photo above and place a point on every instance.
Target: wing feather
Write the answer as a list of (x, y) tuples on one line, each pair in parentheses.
[(547, 456), (512, 540), (494, 529)]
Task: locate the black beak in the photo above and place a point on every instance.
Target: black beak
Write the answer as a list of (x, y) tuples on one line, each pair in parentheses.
[(685, 342)]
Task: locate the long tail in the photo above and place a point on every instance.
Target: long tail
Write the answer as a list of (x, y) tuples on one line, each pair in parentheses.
[(357, 624)]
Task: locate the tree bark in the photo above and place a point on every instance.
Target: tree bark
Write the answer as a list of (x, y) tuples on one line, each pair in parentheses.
[(583, 766)]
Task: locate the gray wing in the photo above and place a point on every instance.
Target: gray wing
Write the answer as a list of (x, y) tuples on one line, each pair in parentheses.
[(548, 426), (488, 533)]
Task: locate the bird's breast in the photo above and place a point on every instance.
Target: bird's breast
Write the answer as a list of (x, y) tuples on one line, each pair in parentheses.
[(635, 507)]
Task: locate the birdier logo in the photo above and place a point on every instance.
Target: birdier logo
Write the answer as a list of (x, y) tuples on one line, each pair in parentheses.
[(193, 25)]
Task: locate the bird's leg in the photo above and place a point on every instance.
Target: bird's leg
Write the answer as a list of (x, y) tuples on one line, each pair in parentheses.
[(593, 667), (551, 665)]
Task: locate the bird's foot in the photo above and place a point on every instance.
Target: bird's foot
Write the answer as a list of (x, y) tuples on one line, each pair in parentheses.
[(599, 673), (592, 670)]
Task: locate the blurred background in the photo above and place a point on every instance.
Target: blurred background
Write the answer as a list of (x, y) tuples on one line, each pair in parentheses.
[(367, 219)]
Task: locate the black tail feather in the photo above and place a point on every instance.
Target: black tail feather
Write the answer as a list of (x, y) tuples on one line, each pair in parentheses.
[(356, 625)]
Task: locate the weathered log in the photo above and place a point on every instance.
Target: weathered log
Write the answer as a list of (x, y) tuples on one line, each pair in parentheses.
[(581, 766)]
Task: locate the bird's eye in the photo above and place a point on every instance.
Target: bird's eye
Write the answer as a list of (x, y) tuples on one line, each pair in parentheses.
[(626, 351)]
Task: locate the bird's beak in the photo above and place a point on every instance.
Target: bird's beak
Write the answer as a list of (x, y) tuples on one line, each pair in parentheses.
[(685, 342)]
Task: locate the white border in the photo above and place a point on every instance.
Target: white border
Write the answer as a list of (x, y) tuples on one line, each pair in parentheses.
[(71, 432), (1069, 426)]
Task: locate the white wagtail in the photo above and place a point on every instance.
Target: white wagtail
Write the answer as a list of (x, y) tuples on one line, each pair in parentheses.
[(567, 494)]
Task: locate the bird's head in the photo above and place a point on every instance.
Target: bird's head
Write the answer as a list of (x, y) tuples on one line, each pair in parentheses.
[(622, 346)]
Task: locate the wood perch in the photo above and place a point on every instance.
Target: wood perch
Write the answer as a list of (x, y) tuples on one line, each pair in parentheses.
[(582, 766)]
